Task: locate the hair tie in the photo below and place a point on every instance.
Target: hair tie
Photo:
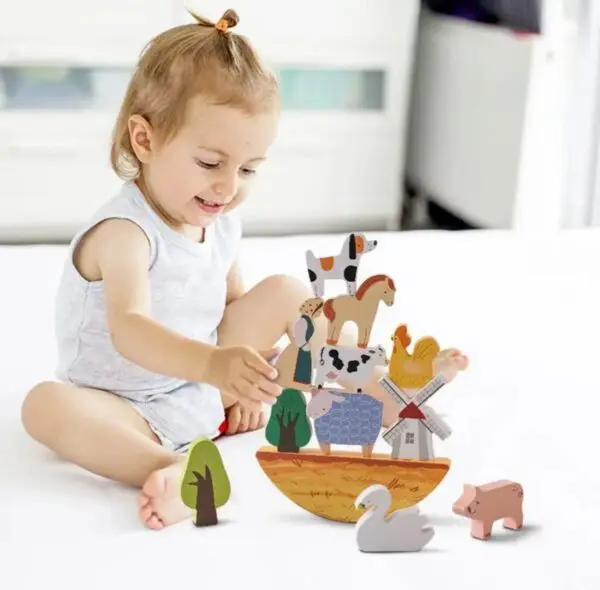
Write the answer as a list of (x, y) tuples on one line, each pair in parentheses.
[(222, 25)]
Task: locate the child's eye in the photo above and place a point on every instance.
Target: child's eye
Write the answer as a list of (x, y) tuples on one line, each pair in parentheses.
[(248, 171), (206, 165)]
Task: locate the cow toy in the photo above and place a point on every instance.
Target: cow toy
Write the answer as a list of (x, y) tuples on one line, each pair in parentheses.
[(348, 363)]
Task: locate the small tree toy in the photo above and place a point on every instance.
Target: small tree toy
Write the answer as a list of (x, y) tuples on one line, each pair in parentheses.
[(288, 428), (205, 484)]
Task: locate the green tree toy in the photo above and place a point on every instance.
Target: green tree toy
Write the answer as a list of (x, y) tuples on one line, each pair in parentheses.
[(205, 484), (288, 428)]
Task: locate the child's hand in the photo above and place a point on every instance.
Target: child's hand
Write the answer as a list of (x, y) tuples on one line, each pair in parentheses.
[(242, 419), (450, 362), (245, 374)]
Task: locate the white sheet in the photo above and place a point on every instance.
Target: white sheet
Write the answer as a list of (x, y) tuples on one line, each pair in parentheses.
[(527, 315)]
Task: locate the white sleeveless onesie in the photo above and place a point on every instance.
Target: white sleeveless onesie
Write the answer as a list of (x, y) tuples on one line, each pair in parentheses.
[(188, 292)]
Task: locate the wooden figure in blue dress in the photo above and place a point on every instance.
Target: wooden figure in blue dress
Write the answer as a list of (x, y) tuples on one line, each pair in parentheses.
[(295, 364)]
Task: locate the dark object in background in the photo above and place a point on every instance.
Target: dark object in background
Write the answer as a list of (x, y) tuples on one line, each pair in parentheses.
[(441, 218), (521, 15), (468, 9)]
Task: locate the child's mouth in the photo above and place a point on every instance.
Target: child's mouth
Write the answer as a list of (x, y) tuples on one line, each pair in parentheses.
[(209, 206)]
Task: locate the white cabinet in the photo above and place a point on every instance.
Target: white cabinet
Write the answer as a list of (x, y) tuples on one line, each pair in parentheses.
[(486, 117), (338, 180), (54, 172), (337, 164), (72, 32)]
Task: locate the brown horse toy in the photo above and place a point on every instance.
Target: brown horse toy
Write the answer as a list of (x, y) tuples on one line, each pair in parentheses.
[(359, 308)]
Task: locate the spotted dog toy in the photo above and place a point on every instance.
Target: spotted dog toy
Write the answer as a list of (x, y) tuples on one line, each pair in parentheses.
[(344, 266)]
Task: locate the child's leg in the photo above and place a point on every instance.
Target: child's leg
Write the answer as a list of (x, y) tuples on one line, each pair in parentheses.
[(95, 430), (264, 314), (103, 434), (259, 319)]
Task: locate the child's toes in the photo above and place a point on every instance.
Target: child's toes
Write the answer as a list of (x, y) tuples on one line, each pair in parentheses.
[(154, 523), (143, 500), (146, 513)]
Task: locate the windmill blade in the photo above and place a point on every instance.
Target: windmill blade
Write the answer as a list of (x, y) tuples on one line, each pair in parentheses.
[(393, 391), (394, 431), (426, 392), (435, 423)]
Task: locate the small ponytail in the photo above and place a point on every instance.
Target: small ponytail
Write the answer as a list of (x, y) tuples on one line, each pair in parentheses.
[(229, 20)]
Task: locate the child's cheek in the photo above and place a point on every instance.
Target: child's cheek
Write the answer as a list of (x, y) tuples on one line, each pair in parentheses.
[(239, 198)]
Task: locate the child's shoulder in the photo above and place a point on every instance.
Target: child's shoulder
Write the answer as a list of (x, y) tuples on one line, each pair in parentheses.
[(123, 204), (125, 201)]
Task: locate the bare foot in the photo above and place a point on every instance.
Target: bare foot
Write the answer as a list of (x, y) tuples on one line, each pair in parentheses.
[(159, 501)]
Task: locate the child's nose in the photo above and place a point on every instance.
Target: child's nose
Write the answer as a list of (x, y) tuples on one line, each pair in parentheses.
[(226, 185)]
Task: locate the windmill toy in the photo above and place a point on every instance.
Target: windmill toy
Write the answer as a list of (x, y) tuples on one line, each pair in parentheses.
[(411, 435)]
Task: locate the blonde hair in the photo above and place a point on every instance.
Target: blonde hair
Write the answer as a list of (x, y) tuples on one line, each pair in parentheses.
[(198, 58)]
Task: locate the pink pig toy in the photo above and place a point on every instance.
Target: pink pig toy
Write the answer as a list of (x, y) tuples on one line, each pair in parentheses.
[(490, 502)]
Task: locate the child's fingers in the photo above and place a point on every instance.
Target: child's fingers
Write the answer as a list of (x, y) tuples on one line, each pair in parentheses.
[(262, 420), (257, 362), (270, 355), (269, 387), (250, 387), (249, 404), (245, 420), (255, 420), (233, 419)]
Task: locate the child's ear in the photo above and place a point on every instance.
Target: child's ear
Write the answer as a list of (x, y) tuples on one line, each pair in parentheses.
[(140, 136)]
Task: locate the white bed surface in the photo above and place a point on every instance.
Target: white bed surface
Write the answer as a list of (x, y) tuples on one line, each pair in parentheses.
[(527, 314)]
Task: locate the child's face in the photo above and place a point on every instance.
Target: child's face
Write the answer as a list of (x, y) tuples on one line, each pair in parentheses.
[(208, 167)]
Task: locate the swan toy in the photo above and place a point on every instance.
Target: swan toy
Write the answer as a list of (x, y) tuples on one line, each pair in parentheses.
[(403, 531)]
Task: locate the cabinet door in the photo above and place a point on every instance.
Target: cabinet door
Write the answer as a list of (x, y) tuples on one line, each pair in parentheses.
[(62, 88), (326, 186), (76, 32), (313, 88), (53, 190), (55, 169)]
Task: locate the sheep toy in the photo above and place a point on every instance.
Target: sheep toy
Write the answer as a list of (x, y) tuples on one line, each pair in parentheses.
[(345, 419)]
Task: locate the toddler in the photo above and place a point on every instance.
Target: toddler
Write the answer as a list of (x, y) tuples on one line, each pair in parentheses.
[(158, 341)]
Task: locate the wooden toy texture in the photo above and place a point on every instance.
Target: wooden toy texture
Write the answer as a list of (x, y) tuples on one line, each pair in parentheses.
[(296, 363), (360, 308), (325, 482), (354, 419), (327, 485), (341, 267), (350, 364), (404, 530), (289, 428), (485, 504), (204, 483)]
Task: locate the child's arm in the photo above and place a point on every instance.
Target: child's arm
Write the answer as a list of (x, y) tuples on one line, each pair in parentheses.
[(121, 252)]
